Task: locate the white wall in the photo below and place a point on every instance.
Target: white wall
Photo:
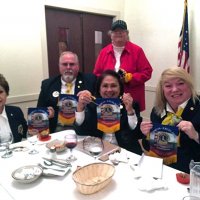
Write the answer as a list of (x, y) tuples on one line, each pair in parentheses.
[(20, 51), (23, 47), (154, 25)]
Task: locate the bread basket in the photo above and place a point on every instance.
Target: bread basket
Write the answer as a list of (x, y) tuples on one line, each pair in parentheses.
[(93, 177)]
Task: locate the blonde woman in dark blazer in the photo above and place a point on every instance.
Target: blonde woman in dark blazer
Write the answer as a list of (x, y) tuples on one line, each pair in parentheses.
[(176, 95)]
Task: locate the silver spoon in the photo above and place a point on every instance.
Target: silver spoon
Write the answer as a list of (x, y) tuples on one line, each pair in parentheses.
[(116, 162)]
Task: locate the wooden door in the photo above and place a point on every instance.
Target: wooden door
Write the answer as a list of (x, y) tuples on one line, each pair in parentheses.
[(95, 37), (78, 32)]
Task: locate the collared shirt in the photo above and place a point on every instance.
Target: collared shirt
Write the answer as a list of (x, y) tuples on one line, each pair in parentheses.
[(4, 123), (117, 53), (64, 87), (169, 109), (110, 137)]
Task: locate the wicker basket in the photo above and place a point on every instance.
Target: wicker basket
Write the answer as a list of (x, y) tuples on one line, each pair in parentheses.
[(93, 177)]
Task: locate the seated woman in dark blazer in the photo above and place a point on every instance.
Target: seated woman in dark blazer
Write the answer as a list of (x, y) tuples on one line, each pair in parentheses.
[(177, 104), (109, 85), (11, 117)]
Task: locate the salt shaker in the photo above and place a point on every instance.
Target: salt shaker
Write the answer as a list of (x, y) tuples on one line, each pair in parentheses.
[(195, 181), (53, 152)]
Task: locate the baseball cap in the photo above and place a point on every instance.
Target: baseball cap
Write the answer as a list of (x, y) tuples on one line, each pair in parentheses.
[(119, 24)]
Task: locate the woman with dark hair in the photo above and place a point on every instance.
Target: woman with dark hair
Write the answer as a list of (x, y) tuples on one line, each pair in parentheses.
[(11, 117), (109, 86)]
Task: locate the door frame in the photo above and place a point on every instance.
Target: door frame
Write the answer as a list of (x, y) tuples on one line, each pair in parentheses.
[(45, 70)]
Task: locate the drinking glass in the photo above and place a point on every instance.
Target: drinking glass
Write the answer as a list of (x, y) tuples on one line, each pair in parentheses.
[(195, 181), (5, 140), (70, 143), (93, 145), (32, 138)]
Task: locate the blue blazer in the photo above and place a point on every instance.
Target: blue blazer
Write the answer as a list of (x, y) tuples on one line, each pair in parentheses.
[(17, 122), (51, 88), (189, 149)]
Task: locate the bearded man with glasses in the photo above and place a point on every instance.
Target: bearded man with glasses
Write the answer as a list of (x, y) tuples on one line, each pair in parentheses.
[(70, 81)]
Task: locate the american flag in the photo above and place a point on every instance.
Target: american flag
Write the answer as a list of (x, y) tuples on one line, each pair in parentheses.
[(183, 44)]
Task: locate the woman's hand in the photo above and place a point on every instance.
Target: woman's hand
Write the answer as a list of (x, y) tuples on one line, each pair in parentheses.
[(128, 102), (84, 98), (145, 127), (51, 112), (188, 128)]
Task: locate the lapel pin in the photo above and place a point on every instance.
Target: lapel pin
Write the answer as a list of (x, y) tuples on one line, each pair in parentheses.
[(192, 108), (55, 94)]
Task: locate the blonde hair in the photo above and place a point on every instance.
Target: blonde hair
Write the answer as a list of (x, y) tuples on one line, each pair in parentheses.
[(173, 72)]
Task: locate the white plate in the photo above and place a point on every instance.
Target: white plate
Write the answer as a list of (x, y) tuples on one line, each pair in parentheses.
[(27, 174)]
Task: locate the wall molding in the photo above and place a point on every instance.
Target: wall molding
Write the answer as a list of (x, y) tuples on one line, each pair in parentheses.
[(22, 98), (150, 88)]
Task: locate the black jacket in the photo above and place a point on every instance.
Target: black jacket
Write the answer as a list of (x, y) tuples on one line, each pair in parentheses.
[(51, 86), (17, 122)]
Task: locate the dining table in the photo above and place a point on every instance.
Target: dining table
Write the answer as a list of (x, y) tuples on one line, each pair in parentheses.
[(124, 183)]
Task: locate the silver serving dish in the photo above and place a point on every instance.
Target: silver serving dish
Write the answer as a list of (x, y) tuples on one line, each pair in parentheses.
[(27, 174)]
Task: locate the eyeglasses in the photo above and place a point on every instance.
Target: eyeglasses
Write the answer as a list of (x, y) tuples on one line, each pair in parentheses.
[(68, 64)]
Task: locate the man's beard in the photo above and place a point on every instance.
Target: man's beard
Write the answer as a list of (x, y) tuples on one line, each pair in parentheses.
[(68, 78)]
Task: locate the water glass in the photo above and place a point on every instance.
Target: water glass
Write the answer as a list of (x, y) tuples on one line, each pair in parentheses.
[(32, 137), (93, 145), (195, 181), (5, 140)]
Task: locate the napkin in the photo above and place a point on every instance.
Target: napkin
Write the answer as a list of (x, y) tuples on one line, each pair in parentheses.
[(148, 166), (149, 184), (121, 157), (51, 170), (151, 166)]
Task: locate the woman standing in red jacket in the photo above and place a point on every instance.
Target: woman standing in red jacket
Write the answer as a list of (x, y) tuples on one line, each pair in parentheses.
[(128, 60)]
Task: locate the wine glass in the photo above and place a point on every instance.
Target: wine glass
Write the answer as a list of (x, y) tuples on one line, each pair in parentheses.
[(93, 145), (70, 143), (32, 138), (6, 138)]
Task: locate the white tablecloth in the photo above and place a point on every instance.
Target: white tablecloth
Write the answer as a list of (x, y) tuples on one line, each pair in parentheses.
[(123, 184)]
